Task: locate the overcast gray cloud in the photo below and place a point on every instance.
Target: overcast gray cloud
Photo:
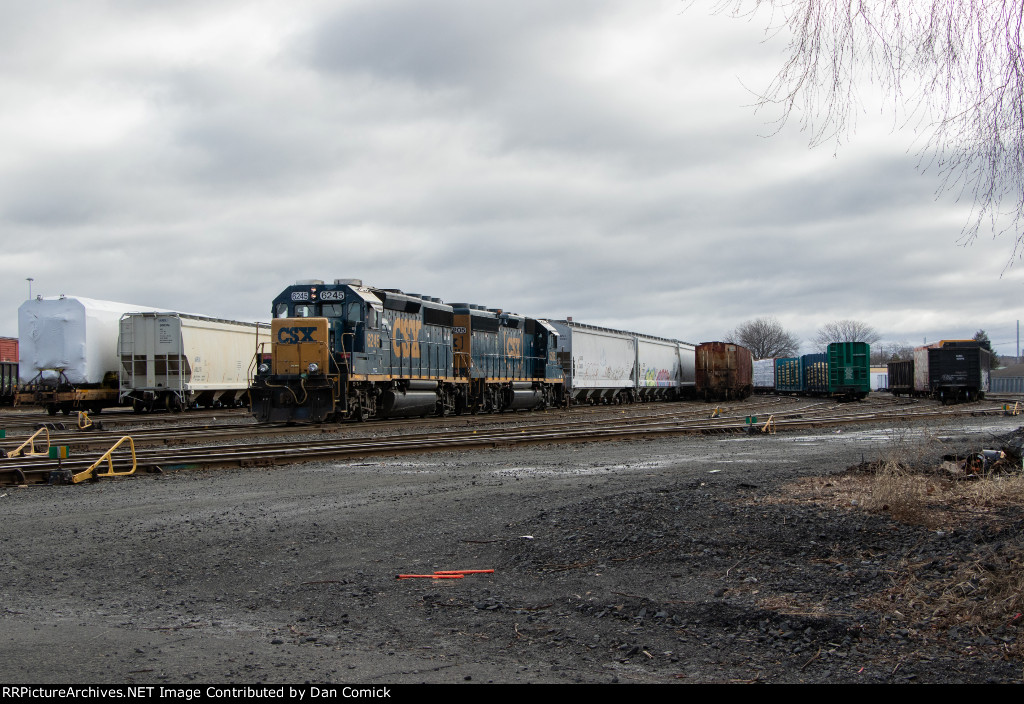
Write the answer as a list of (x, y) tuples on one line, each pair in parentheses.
[(589, 158)]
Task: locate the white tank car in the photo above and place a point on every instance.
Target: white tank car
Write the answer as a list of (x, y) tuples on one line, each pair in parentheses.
[(176, 360)]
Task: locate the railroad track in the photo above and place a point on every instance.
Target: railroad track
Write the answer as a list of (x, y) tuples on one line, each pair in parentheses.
[(38, 470), (194, 433), (19, 420)]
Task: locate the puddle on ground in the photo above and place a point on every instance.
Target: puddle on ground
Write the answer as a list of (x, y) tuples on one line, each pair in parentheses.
[(583, 471)]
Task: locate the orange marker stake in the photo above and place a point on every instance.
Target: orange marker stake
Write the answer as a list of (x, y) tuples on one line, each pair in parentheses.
[(464, 572), (428, 576)]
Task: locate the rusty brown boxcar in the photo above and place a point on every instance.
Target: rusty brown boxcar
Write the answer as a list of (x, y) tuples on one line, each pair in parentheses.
[(9, 349), (724, 371)]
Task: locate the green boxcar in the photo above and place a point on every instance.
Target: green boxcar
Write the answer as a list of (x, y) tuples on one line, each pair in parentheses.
[(849, 369)]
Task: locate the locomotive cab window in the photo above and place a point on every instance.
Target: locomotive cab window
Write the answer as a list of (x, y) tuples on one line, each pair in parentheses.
[(305, 311), (355, 313), (332, 310), (281, 311)]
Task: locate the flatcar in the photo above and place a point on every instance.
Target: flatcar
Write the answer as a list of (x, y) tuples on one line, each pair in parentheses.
[(843, 372), (345, 350), (806, 375), (849, 370), (724, 371)]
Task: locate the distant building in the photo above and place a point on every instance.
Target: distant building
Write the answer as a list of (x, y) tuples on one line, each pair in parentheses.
[(1008, 379), (1005, 360), (879, 378)]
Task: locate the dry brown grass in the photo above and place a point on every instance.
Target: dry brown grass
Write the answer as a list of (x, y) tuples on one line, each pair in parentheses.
[(793, 605), (981, 592), (934, 499), (984, 597)]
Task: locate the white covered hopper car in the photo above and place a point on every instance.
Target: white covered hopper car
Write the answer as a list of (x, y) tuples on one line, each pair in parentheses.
[(615, 366), (178, 360)]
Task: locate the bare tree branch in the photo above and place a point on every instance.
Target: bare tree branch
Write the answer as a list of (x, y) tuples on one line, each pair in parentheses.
[(891, 352), (953, 67), (845, 331), (765, 338)]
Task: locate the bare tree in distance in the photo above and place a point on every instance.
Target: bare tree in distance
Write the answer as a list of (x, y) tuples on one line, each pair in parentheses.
[(891, 352), (765, 338), (845, 331), (955, 71)]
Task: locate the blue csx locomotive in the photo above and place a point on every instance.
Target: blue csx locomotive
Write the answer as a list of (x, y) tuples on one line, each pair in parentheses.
[(345, 350)]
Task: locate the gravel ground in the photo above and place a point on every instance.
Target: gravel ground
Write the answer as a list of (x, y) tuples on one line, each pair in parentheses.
[(691, 559)]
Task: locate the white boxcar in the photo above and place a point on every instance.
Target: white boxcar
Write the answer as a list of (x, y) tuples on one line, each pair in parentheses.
[(177, 360), (70, 335), (605, 365), (764, 375)]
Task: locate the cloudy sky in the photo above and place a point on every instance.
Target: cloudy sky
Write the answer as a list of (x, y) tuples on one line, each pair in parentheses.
[(593, 158)]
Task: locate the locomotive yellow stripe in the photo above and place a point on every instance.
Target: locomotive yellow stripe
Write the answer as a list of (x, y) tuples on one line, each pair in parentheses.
[(388, 377)]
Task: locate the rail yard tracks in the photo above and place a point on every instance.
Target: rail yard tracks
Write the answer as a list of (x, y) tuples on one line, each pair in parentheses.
[(230, 445)]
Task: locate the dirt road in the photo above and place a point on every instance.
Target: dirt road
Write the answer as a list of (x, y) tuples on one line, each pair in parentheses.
[(678, 560)]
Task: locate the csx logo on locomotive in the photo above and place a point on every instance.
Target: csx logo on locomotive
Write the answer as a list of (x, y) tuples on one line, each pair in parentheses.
[(295, 335), (513, 347), (405, 341)]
